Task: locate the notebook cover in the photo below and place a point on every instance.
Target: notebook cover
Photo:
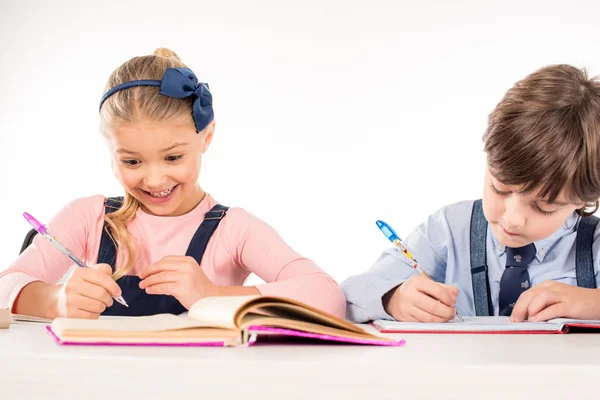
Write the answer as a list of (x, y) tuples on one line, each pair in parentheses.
[(190, 344), (587, 328), (293, 333)]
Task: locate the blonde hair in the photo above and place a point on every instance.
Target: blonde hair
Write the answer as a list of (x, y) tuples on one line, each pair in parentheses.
[(127, 106)]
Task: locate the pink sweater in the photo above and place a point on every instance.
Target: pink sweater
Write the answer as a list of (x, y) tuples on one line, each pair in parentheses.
[(240, 245)]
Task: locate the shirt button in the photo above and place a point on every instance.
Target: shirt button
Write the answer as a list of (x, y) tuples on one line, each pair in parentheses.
[(542, 252), (499, 246)]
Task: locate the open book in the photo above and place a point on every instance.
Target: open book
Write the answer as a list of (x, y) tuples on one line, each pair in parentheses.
[(496, 324), (218, 321)]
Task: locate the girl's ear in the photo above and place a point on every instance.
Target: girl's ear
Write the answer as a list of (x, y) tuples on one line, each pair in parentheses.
[(209, 131), (114, 167)]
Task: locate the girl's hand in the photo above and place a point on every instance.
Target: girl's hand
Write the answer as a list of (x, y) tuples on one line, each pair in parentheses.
[(552, 299), (87, 292), (421, 299), (178, 276)]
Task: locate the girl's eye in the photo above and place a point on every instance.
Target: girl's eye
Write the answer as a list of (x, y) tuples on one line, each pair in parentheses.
[(131, 163), (498, 192), (173, 158)]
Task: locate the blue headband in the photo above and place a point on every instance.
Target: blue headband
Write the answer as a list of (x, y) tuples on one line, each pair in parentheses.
[(178, 83)]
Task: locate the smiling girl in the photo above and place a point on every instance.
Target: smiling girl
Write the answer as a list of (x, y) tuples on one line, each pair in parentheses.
[(167, 243)]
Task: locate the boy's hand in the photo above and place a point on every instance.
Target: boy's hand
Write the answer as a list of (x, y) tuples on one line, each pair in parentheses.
[(87, 292), (417, 300), (552, 299), (178, 276)]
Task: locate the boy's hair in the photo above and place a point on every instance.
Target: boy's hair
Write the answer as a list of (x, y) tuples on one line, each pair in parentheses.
[(545, 134), (128, 106)]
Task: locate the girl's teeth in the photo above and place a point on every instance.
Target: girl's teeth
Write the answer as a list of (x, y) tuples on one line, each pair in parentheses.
[(162, 194)]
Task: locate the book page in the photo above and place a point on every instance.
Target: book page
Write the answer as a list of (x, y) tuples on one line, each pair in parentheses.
[(290, 310), (30, 318), (152, 323), (218, 311), (470, 324), (565, 321)]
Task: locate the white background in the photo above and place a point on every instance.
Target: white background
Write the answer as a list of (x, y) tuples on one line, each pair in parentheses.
[(330, 114)]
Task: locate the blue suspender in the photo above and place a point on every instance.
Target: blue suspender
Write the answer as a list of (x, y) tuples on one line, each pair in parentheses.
[(479, 269), (584, 258), (584, 255)]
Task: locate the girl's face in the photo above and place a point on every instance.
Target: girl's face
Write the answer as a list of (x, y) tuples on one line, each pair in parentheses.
[(158, 162), (517, 219)]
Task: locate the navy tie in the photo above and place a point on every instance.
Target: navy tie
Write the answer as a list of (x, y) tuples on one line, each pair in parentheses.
[(515, 279)]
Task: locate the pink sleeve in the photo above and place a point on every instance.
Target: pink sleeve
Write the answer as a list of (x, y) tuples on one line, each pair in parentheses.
[(260, 249), (43, 262)]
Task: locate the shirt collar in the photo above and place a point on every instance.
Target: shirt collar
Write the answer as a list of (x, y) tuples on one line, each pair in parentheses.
[(542, 246)]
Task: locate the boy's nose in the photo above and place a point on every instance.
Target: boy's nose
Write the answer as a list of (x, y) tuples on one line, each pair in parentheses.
[(514, 214)]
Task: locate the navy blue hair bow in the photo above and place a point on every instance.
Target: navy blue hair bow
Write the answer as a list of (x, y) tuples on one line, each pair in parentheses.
[(178, 83)]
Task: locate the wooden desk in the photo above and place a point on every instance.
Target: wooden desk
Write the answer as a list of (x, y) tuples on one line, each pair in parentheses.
[(428, 366)]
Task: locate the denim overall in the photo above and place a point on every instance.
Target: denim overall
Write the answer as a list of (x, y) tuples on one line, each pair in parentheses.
[(141, 303)]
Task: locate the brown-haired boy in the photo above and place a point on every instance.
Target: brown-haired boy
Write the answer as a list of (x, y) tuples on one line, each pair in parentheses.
[(530, 247)]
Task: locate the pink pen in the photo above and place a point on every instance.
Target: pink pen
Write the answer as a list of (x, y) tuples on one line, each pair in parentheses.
[(42, 230)]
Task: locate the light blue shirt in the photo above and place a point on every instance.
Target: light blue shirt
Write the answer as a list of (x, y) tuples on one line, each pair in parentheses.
[(441, 246)]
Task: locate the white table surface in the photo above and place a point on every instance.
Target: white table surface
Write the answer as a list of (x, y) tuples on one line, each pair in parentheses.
[(426, 367)]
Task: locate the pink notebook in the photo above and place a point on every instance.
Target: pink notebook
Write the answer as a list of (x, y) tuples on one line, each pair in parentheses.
[(259, 334), (220, 321)]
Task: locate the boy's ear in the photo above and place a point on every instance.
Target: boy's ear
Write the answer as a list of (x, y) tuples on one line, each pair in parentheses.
[(589, 208)]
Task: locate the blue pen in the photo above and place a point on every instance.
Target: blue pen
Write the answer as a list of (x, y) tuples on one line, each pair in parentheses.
[(394, 238)]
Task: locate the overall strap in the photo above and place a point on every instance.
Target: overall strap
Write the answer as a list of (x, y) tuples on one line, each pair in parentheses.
[(479, 268), (141, 303), (107, 254), (205, 230), (584, 255)]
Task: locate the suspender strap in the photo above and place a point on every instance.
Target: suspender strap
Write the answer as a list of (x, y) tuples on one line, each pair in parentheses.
[(584, 255), (108, 251), (479, 269), (205, 231)]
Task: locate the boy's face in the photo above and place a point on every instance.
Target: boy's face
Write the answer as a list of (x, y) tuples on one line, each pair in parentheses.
[(517, 219)]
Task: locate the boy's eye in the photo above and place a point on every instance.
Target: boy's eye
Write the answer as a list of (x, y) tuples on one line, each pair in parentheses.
[(498, 192), (131, 163), (173, 158), (542, 211)]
